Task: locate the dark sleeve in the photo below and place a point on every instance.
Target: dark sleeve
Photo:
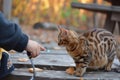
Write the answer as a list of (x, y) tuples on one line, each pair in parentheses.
[(11, 36)]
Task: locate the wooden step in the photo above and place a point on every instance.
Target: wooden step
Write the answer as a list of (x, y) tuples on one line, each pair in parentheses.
[(54, 66), (23, 74)]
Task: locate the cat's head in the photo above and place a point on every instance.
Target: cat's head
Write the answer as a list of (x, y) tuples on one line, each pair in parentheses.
[(65, 37)]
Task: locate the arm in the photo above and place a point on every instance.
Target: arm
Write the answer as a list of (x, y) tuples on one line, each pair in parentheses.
[(11, 36)]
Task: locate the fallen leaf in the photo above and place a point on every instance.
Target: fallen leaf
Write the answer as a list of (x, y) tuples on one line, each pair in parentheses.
[(36, 70), (23, 59)]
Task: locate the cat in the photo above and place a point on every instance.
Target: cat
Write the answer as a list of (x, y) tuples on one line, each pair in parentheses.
[(94, 49)]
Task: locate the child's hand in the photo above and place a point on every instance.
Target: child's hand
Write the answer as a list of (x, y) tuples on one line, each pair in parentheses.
[(34, 48)]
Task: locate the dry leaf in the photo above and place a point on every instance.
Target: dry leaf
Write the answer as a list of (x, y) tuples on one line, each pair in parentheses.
[(70, 70), (36, 69), (23, 59)]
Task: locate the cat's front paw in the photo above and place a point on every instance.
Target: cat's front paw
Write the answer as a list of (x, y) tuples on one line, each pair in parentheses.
[(107, 69), (78, 74), (70, 70)]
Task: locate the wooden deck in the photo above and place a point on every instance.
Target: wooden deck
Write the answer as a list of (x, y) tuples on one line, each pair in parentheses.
[(54, 63)]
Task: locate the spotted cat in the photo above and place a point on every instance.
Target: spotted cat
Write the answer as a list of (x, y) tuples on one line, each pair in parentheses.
[(94, 49)]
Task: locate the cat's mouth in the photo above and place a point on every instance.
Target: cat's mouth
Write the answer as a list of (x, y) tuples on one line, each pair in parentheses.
[(62, 45), (59, 44)]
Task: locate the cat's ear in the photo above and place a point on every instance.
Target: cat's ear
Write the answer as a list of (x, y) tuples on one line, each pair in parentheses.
[(60, 29), (65, 31)]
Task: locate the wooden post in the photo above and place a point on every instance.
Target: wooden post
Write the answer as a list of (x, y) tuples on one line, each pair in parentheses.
[(7, 5), (109, 24), (1, 5), (95, 16), (119, 27)]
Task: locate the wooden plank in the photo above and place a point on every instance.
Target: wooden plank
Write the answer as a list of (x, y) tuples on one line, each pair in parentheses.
[(115, 17), (23, 74), (55, 73), (119, 27), (114, 2), (95, 7), (51, 45), (52, 52), (50, 61), (45, 60), (109, 24)]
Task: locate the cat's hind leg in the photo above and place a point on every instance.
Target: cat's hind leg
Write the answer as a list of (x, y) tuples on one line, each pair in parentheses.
[(108, 66)]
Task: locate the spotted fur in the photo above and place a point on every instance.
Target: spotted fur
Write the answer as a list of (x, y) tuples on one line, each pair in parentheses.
[(95, 48)]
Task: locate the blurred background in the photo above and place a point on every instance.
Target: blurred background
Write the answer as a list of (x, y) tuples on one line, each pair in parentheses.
[(38, 18)]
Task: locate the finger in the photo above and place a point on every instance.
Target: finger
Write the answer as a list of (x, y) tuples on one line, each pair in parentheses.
[(42, 48)]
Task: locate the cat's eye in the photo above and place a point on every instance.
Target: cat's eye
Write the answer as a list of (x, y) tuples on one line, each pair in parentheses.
[(59, 40)]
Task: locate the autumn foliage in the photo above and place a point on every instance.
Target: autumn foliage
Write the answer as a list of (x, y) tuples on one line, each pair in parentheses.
[(55, 11)]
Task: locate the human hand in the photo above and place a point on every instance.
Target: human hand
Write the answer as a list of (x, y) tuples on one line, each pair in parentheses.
[(34, 48)]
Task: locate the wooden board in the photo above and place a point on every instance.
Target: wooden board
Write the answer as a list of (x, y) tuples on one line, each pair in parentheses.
[(54, 66), (115, 17), (63, 60), (23, 74), (46, 59), (109, 24), (95, 7)]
